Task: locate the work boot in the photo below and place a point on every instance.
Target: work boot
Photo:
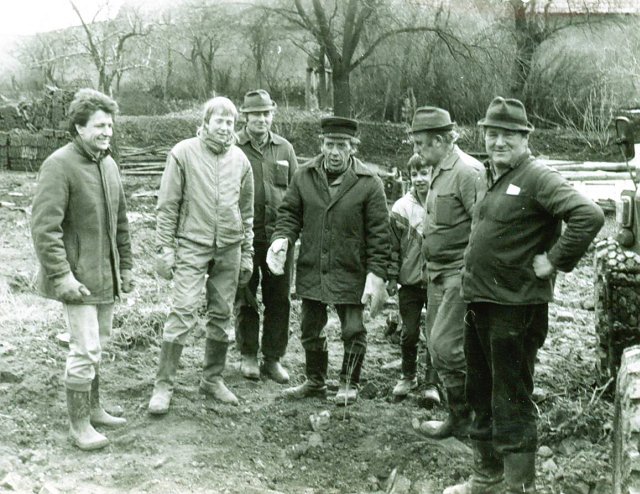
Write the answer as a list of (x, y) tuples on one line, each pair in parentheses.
[(404, 386), (349, 379), (99, 415), (212, 384), (487, 476), (81, 432), (431, 393), (167, 367), (273, 369), (520, 472), (249, 367), (457, 422), (408, 381), (316, 365)]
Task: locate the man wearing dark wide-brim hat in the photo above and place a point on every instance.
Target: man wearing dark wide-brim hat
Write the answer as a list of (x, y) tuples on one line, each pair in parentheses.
[(273, 162), (336, 206), (517, 245), (447, 224)]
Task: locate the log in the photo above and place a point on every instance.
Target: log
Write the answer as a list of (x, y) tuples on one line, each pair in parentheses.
[(587, 176), (591, 167)]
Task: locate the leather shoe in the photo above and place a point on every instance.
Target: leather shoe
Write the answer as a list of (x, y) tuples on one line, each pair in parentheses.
[(273, 370)]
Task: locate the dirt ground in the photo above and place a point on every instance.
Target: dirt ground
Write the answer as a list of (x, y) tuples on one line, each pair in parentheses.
[(265, 445)]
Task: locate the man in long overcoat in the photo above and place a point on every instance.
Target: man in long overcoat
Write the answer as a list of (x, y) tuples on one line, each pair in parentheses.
[(337, 207)]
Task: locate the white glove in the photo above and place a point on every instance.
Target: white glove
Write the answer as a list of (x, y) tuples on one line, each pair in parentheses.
[(277, 255), (375, 292)]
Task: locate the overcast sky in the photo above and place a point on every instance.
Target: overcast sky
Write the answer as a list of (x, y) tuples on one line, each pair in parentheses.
[(19, 17)]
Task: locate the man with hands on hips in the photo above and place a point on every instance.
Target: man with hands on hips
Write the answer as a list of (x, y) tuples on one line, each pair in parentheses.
[(337, 207)]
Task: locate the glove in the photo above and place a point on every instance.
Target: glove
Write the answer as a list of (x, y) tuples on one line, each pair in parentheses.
[(392, 287), (70, 290), (165, 262), (277, 255), (375, 293), (126, 280), (245, 276)]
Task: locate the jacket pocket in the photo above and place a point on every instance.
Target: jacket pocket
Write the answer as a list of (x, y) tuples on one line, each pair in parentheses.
[(281, 173), (447, 213), (510, 276), (511, 209)]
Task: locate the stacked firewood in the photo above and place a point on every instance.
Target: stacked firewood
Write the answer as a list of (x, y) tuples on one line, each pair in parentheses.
[(25, 150)]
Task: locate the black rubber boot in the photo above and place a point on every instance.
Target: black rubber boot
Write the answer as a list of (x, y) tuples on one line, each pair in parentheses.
[(487, 477), (520, 472), (167, 367), (457, 422), (81, 432), (349, 379), (99, 415), (215, 358), (317, 362)]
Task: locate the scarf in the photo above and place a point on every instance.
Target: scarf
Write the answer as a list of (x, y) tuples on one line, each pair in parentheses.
[(214, 143), (258, 142)]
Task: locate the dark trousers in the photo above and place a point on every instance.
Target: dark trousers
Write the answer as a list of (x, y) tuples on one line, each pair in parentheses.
[(277, 304), (313, 319), (500, 343), (411, 300)]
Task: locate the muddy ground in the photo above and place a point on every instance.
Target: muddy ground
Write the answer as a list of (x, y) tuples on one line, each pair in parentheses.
[(265, 444)]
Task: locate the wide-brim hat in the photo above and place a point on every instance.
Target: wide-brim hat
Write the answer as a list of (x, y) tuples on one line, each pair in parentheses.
[(339, 127), (258, 100), (431, 118), (507, 113)]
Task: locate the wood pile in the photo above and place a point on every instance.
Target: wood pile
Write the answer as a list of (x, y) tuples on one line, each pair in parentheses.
[(149, 160), (25, 150), (593, 171)]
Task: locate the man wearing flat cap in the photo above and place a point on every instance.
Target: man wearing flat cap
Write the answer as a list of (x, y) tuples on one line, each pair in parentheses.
[(337, 207), (273, 162), (517, 245), (446, 229)]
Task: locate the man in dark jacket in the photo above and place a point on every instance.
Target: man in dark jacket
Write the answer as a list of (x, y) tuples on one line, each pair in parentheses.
[(516, 247), (273, 162), (81, 236), (337, 207)]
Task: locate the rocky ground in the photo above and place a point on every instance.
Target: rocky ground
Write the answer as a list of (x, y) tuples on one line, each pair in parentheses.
[(265, 445)]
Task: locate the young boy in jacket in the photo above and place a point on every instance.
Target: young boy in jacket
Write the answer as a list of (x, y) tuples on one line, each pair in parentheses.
[(408, 268), (204, 233)]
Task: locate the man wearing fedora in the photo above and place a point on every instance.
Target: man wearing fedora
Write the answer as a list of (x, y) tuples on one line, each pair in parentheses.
[(273, 162), (447, 223), (337, 207), (517, 245)]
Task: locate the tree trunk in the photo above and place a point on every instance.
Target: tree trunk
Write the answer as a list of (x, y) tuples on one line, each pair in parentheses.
[(341, 92), (323, 95), (525, 48)]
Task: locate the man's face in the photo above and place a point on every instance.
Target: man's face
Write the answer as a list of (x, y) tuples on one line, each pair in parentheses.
[(505, 147), (430, 149), (221, 126), (259, 122), (96, 134), (420, 178), (336, 153)]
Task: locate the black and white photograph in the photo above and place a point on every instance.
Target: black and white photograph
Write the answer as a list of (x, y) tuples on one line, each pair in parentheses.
[(320, 246)]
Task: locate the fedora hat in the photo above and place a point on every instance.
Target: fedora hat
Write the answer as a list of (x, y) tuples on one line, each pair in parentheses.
[(507, 114), (431, 118), (257, 100), (339, 127)]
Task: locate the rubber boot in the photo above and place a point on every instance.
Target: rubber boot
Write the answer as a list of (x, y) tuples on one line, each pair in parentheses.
[(98, 415), (272, 369), (349, 379), (249, 367), (167, 367), (520, 472), (81, 432), (457, 422), (316, 364), (487, 477), (431, 393), (408, 381), (212, 384)]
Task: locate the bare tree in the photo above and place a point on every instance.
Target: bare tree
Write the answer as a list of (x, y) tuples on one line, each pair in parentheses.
[(48, 53), (349, 32), (106, 44)]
